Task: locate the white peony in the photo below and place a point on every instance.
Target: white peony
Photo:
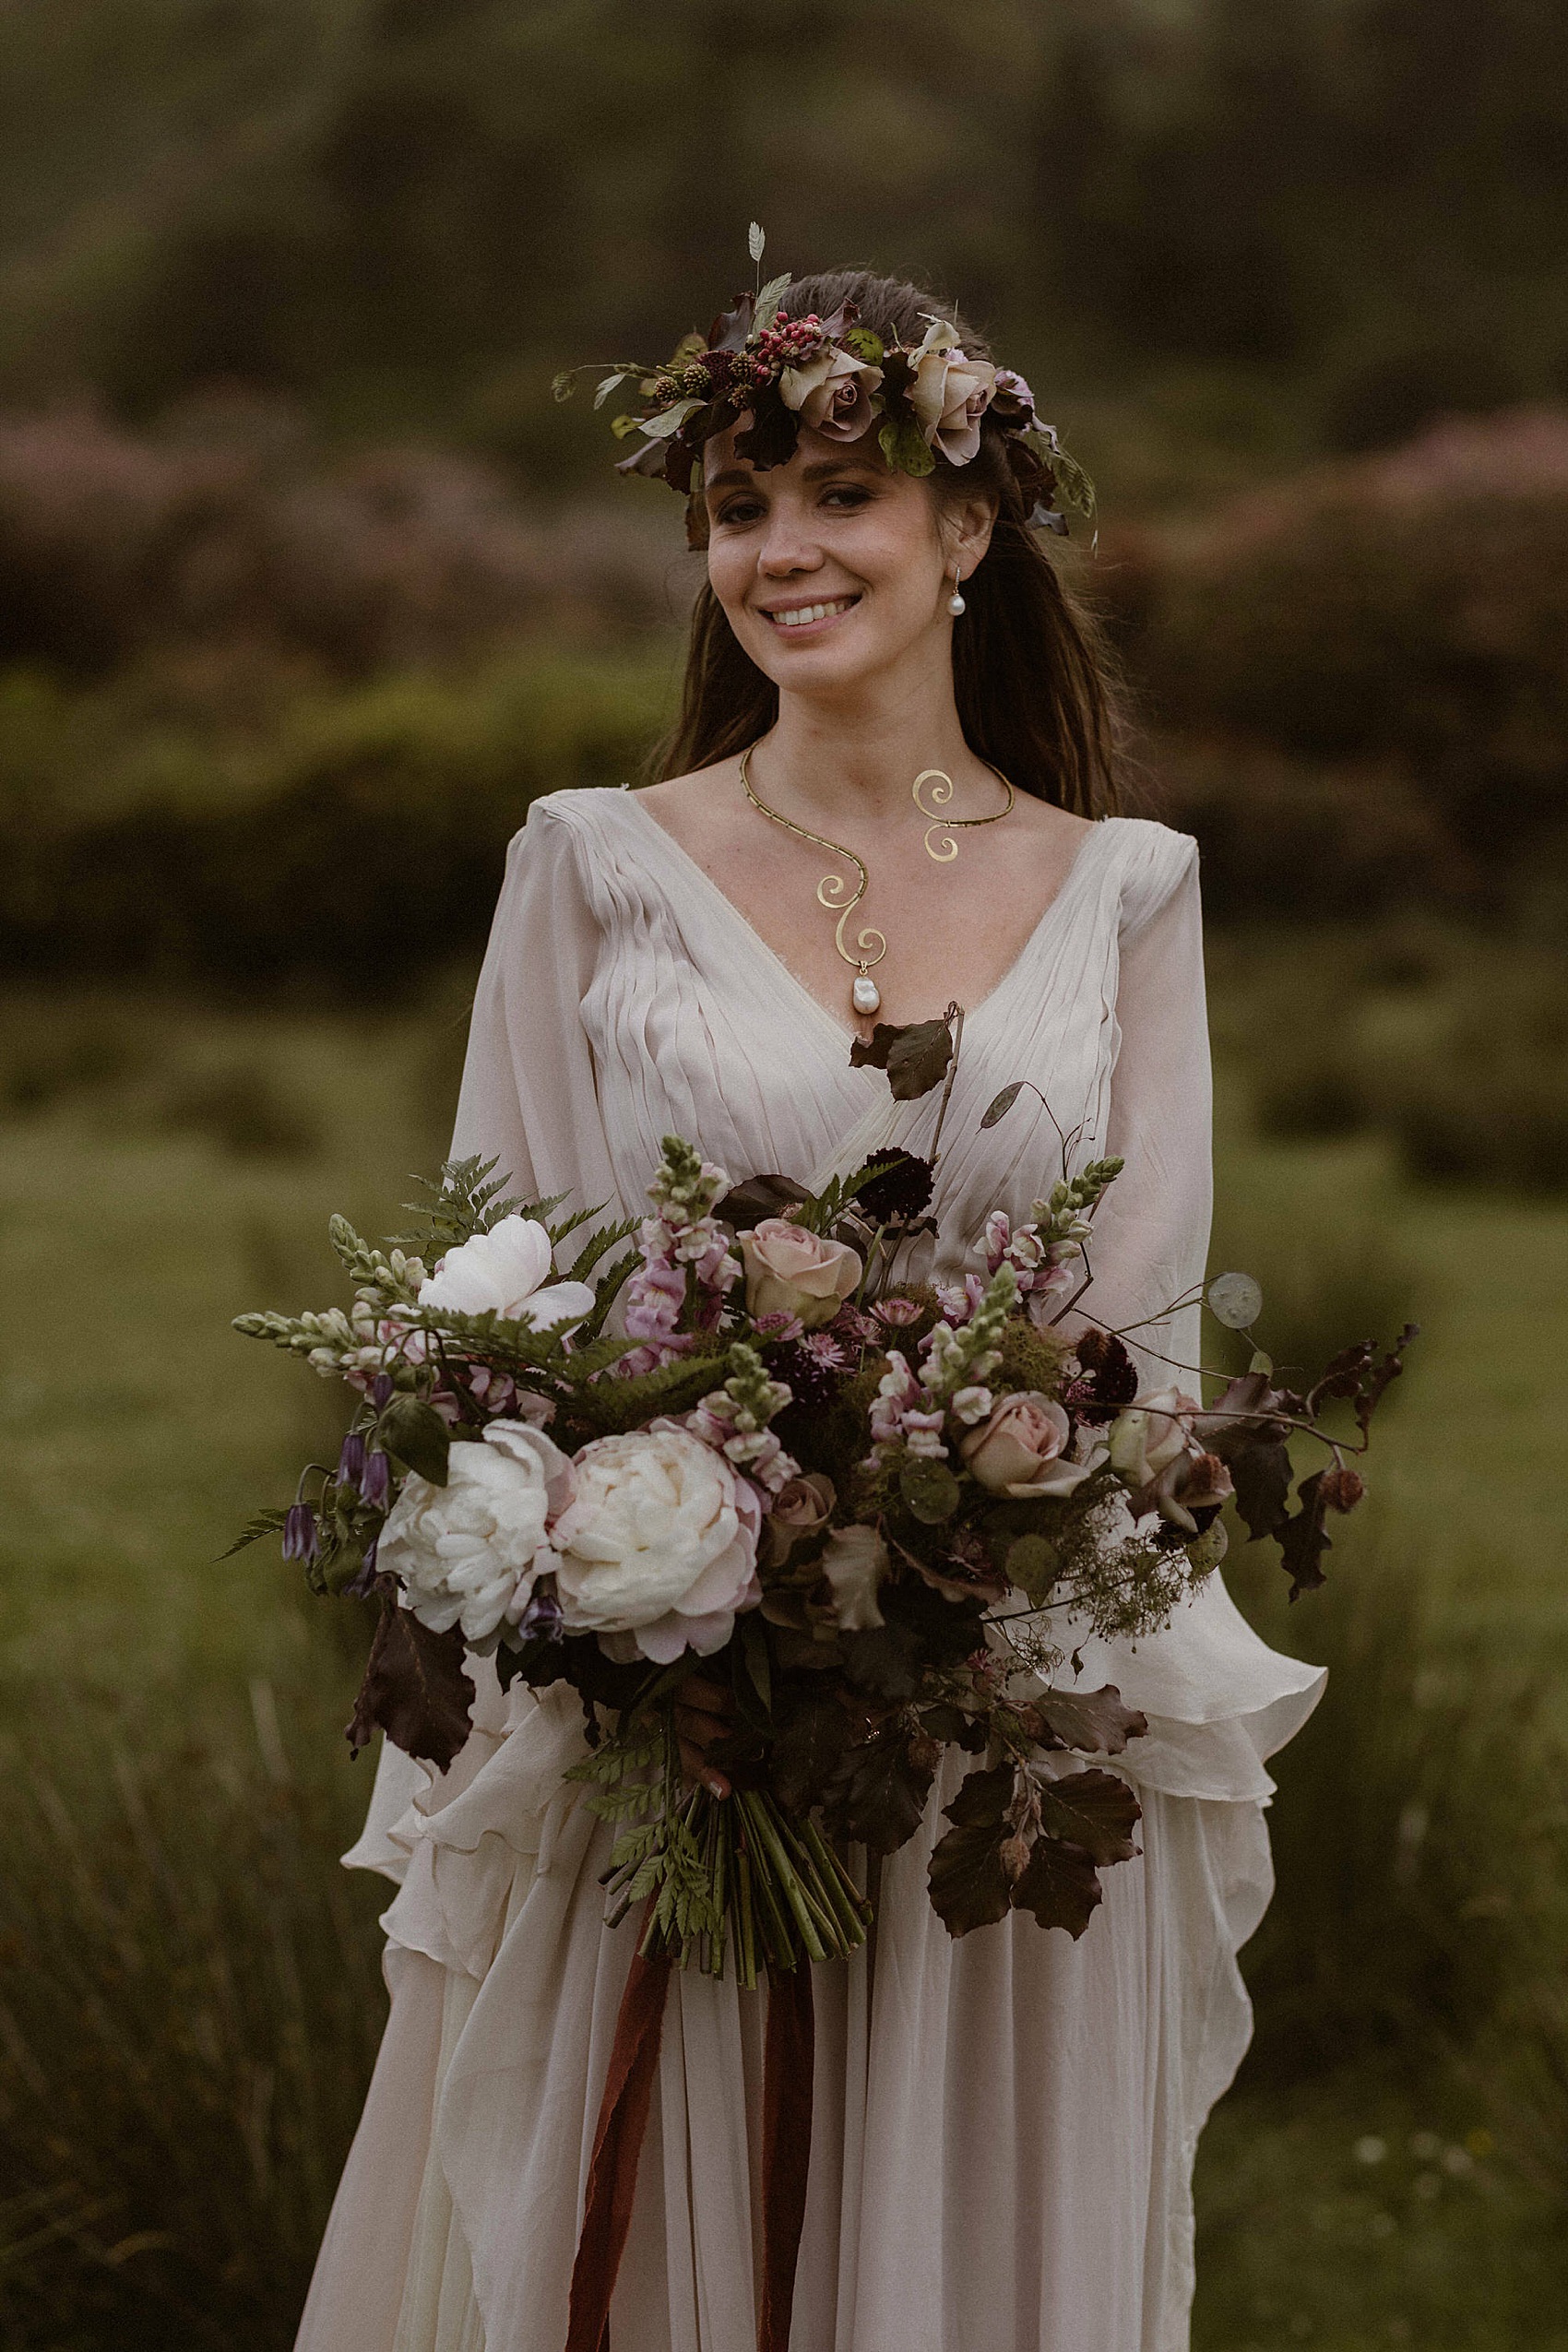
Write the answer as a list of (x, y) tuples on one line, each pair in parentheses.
[(506, 1269), (659, 1549), (468, 1553)]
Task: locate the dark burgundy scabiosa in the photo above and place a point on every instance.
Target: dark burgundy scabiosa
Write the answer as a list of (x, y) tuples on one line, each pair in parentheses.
[(814, 1366), (900, 1190), (299, 1533), (1106, 1378)]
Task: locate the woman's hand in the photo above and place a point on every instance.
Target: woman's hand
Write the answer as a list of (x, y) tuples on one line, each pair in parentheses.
[(704, 1714)]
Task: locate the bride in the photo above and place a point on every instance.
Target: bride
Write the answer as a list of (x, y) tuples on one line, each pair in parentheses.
[(1004, 2127)]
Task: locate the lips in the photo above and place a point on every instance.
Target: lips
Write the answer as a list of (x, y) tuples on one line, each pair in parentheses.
[(790, 618)]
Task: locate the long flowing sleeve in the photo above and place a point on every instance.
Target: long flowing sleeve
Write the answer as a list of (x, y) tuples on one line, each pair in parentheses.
[(528, 1094), (529, 1101), (1151, 1236), (1219, 1700)]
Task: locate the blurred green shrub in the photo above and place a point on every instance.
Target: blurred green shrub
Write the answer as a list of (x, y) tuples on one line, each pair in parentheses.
[(1453, 1042), (1326, 1251), (80, 1046), (362, 846)]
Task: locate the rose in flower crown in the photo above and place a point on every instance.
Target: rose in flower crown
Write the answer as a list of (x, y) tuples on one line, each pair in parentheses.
[(772, 373)]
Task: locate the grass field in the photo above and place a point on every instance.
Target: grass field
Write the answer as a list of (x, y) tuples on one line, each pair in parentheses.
[(188, 1991)]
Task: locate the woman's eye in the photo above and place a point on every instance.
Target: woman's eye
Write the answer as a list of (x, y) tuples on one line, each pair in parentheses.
[(848, 494), (739, 510)]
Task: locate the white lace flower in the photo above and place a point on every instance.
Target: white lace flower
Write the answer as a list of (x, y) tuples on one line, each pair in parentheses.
[(506, 1270), (468, 1553)]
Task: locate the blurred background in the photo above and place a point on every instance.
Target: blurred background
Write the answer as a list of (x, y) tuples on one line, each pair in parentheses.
[(307, 589)]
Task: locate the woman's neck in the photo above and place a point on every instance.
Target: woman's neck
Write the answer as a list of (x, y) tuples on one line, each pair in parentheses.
[(825, 758)]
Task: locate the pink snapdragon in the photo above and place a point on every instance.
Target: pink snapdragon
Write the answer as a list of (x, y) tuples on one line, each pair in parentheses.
[(902, 1412), (1045, 1269), (959, 1300)]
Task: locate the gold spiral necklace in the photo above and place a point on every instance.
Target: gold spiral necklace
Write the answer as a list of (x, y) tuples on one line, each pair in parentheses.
[(833, 891)]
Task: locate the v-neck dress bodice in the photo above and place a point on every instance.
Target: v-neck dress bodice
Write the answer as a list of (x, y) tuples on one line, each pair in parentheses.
[(1005, 2125)]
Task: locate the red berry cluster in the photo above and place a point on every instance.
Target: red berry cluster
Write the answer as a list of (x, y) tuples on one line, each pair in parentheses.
[(790, 339)]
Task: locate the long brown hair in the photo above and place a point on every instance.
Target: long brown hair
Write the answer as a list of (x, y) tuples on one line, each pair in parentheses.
[(1035, 686)]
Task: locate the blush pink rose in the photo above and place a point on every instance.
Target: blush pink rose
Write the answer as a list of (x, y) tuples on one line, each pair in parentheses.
[(801, 1507), (950, 393), (1019, 1448), (832, 392), (789, 1271)]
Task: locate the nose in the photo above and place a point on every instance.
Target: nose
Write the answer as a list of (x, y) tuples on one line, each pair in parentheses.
[(786, 545)]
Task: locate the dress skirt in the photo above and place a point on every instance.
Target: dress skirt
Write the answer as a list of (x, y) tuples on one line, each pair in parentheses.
[(1004, 2126)]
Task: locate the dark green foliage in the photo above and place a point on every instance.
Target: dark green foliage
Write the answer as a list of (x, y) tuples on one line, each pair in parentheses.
[(605, 1407), (919, 1623), (416, 1688), (363, 842), (416, 1434), (877, 1793), (402, 211), (1060, 1885), (969, 1887), (915, 1057), (467, 1198), (812, 1735)]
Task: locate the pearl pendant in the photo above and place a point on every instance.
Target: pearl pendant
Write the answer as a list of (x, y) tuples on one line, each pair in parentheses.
[(865, 995), (955, 604)]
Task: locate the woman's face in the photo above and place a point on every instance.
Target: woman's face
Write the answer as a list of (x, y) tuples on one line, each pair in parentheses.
[(833, 568)]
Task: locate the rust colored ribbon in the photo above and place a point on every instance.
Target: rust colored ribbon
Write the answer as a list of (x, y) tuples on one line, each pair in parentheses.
[(617, 2145), (786, 2147)]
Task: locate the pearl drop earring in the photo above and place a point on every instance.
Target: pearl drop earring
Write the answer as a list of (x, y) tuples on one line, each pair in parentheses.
[(956, 602)]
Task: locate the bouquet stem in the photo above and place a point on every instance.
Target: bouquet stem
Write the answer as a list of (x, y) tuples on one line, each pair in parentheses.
[(759, 1889)]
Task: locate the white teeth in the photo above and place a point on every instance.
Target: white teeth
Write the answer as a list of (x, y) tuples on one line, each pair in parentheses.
[(802, 613)]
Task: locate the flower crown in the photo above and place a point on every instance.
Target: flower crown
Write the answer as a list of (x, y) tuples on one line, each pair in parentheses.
[(836, 376)]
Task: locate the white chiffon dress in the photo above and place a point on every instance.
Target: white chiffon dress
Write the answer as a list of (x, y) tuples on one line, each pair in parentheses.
[(1004, 2126)]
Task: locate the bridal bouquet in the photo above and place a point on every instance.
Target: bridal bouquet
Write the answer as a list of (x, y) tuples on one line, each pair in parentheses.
[(878, 1513)]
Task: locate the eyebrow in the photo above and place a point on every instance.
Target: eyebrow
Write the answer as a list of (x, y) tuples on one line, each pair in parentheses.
[(817, 471)]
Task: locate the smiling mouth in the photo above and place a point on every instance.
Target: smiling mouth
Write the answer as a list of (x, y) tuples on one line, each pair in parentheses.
[(802, 616)]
